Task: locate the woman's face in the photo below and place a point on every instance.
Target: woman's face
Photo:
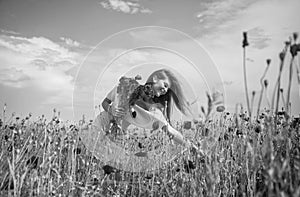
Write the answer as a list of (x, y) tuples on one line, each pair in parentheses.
[(161, 86)]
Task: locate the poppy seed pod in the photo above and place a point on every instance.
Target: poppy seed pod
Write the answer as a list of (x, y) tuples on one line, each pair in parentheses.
[(245, 40), (293, 50)]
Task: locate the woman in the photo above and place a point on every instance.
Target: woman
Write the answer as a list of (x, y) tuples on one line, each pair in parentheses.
[(167, 89), (153, 113)]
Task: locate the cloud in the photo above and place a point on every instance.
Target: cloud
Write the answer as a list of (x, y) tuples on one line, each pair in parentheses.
[(70, 42), (41, 64), (126, 7), (215, 13), (4, 31), (13, 77), (37, 47), (258, 38)]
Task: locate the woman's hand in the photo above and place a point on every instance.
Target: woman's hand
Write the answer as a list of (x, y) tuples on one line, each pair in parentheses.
[(111, 109), (118, 112)]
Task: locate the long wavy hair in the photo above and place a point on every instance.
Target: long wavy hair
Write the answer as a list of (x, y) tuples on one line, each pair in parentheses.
[(174, 93)]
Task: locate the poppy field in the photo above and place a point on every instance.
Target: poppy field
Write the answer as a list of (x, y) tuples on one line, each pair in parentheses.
[(242, 154), (47, 158)]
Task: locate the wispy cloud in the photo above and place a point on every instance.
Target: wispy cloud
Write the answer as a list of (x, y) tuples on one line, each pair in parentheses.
[(215, 13), (128, 7), (258, 38), (37, 47), (4, 31)]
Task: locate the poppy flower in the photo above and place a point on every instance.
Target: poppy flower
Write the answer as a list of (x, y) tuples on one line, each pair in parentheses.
[(77, 151), (220, 108), (149, 176), (141, 154), (187, 125), (188, 166), (108, 169), (140, 145), (257, 129), (239, 132), (294, 50)]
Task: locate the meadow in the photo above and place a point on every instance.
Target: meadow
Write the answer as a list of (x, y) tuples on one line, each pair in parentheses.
[(243, 155)]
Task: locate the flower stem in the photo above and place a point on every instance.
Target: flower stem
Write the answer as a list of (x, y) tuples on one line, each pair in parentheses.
[(289, 86), (262, 89), (245, 81)]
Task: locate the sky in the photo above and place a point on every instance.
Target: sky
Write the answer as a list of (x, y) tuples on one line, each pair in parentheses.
[(68, 54)]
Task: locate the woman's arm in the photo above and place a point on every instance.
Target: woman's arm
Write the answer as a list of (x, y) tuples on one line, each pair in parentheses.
[(106, 104)]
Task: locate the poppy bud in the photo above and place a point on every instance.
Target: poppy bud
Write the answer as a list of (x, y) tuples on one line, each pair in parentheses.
[(266, 83), (202, 109), (138, 77), (287, 43), (282, 55), (281, 89), (268, 61), (295, 36)]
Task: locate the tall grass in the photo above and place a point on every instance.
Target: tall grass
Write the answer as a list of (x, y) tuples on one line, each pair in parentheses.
[(47, 158)]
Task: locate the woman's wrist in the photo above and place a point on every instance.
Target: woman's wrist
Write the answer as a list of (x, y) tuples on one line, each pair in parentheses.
[(109, 108)]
